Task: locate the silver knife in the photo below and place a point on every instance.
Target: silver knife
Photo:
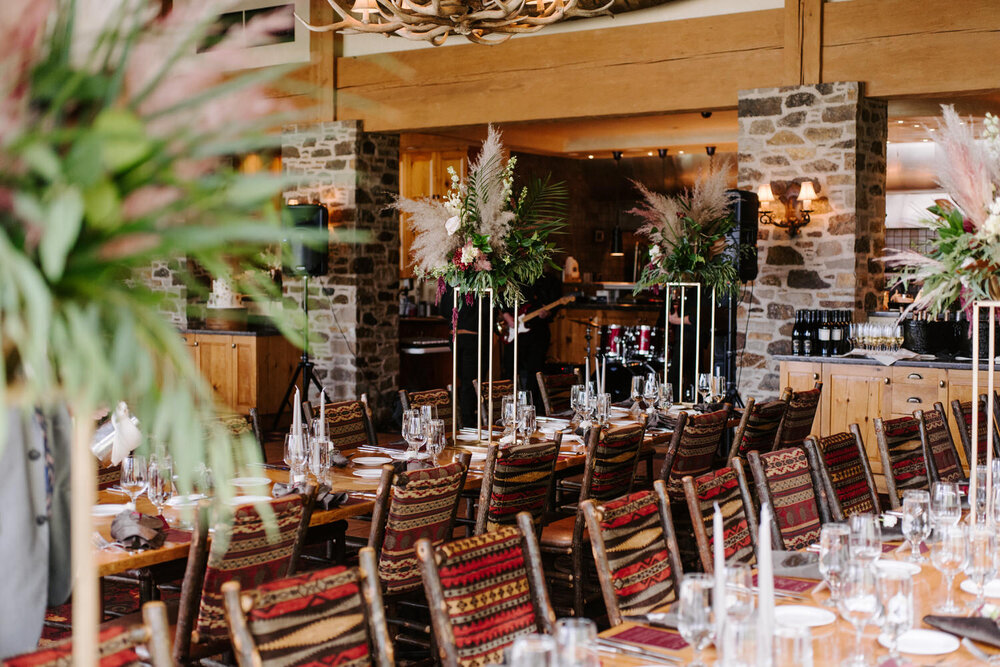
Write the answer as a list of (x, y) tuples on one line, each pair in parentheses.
[(622, 647)]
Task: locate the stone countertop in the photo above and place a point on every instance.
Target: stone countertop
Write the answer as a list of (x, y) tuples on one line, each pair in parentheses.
[(952, 363), (249, 331)]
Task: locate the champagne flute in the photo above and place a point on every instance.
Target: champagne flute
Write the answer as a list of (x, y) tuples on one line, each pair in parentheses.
[(133, 477), (916, 521), (895, 594), (413, 432), (946, 507), (834, 549), (949, 556), (159, 481), (866, 538), (577, 398), (695, 619), (981, 563), (859, 604)]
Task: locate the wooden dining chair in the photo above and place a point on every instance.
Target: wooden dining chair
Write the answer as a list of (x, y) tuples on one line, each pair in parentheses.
[(635, 551), (555, 390), (516, 479), (108, 476), (327, 617), (943, 464), (485, 591), (902, 453), (349, 424), (608, 473), (799, 417), (796, 493), (693, 448), (239, 425), (501, 388), (758, 427), (117, 645), (439, 398), (852, 485), (962, 411), (728, 488)]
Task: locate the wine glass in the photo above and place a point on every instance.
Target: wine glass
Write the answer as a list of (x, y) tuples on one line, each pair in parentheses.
[(946, 507), (739, 592), (695, 619), (413, 432), (427, 413), (949, 555), (719, 386), (524, 398), (834, 548), (319, 458), (895, 594), (704, 386), (666, 397), (576, 639), (981, 494), (916, 521), (636, 391), (602, 408), (295, 455), (159, 481), (651, 390), (792, 646), (981, 562), (859, 604), (866, 538), (133, 477), (526, 423), (436, 438), (533, 651), (508, 413)]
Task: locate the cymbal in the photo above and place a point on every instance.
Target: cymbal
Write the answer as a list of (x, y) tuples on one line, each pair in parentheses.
[(596, 322)]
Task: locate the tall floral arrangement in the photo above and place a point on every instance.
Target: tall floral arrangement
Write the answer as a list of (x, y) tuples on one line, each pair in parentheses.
[(687, 234), (481, 236), (962, 261)]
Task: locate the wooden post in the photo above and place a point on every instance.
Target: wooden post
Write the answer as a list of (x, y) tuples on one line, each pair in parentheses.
[(86, 588)]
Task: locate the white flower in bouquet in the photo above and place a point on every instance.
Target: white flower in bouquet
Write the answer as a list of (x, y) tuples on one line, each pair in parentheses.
[(452, 224), (654, 253), (990, 230), (469, 254)]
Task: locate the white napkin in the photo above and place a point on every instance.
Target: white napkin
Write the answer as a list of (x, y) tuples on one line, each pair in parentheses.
[(127, 436)]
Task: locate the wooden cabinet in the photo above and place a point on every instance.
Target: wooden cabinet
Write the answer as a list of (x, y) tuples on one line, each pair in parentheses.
[(424, 174), (854, 395), (245, 371)]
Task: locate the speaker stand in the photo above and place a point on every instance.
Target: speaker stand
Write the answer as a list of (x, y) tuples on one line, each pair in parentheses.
[(305, 368)]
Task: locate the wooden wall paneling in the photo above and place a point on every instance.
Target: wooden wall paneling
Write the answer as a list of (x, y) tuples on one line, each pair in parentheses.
[(812, 41)]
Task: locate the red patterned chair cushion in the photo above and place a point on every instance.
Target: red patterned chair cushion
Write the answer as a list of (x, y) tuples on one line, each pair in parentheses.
[(501, 388), (317, 618), (906, 454), (723, 487), (439, 398), (966, 409), (843, 460), (699, 442), (345, 424), (796, 508), (637, 551), (250, 556), (521, 480), (799, 418), (761, 427), (942, 447), (486, 594), (614, 461), (116, 648), (557, 391), (108, 477), (421, 504)]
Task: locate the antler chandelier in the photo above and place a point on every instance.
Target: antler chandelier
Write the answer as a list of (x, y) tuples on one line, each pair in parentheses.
[(480, 21)]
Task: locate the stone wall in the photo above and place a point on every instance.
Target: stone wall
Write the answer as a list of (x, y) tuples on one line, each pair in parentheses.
[(353, 310), (831, 134), (161, 277)]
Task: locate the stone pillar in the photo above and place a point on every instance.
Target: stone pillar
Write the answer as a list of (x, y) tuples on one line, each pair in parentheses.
[(354, 309), (834, 136)]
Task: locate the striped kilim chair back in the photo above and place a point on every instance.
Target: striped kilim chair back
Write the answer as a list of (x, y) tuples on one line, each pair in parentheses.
[(842, 455), (692, 449), (763, 420), (522, 477), (792, 495), (237, 424), (439, 398), (615, 457), (116, 648), (422, 504), (941, 447), (501, 388), (799, 417), (345, 424), (487, 594), (556, 390), (723, 487), (963, 417), (639, 556), (246, 553), (108, 477), (317, 618), (902, 456)]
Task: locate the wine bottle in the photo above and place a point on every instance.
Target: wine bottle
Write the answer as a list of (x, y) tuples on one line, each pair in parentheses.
[(808, 334), (824, 334), (837, 334), (797, 335)]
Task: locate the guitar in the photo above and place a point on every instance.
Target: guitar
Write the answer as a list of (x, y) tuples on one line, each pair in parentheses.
[(507, 333)]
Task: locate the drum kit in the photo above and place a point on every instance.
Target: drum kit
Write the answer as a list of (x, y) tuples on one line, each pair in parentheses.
[(630, 351)]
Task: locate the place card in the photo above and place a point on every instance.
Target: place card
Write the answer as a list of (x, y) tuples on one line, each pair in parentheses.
[(652, 637), (790, 585)]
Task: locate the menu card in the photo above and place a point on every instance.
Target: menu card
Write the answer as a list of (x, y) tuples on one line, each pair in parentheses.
[(652, 637)]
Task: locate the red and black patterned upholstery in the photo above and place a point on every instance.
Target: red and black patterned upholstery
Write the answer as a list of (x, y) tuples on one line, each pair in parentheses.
[(940, 448), (555, 390), (439, 398), (501, 388), (639, 558), (108, 477), (116, 648), (237, 425), (522, 477), (487, 594), (799, 417), (760, 429), (421, 504), (249, 556), (346, 424), (318, 618), (723, 487), (902, 454), (788, 485), (843, 456), (692, 449), (963, 417), (615, 457)]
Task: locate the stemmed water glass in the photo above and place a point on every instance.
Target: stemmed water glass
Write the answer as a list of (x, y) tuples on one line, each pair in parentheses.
[(859, 604), (636, 392), (534, 651), (834, 550), (524, 398), (602, 408), (577, 642), (413, 432), (981, 562), (916, 521), (160, 481), (866, 538), (296, 455), (895, 594), (651, 390), (666, 397), (704, 386), (739, 599), (949, 555), (508, 413), (946, 506), (319, 458), (526, 423), (133, 477), (437, 438), (695, 619), (719, 386), (980, 494)]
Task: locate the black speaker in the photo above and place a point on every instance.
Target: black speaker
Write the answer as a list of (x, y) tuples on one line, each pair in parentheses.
[(306, 258), (744, 232)]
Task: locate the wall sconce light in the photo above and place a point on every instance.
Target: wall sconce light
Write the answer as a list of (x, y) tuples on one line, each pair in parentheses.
[(792, 222)]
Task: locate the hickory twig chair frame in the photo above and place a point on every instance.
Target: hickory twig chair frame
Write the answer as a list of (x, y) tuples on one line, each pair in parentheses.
[(516, 479), (728, 487), (758, 427), (799, 416), (555, 390), (845, 466), (962, 411), (796, 493), (903, 462), (943, 464)]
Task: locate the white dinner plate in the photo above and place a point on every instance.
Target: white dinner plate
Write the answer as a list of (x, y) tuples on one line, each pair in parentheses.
[(370, 461), (900, 566), (803, 616), (992, 588), (251, 481), (478, 456), (368, 473), (107, 509), (246, 500), (923, 642), (185, 501), (467, 437)]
